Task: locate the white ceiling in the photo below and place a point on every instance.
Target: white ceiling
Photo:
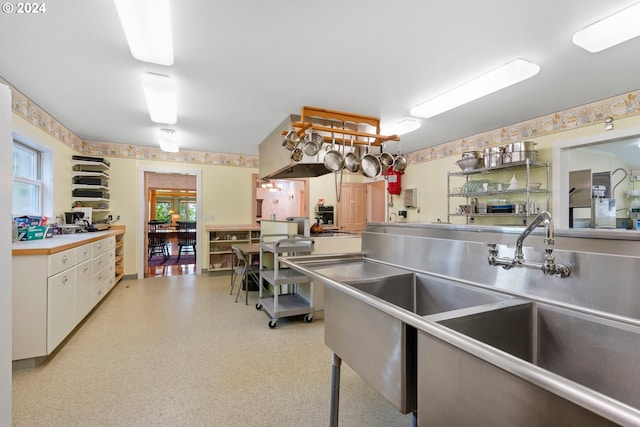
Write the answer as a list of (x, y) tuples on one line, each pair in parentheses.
[(243, 65)]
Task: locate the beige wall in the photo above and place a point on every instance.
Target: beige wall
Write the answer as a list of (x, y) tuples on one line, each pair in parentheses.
[(430, 178), (227, 190)]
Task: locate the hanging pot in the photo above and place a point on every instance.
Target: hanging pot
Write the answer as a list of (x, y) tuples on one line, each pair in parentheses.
[(386, 159), (296, 154), (351, 162), (312, 143), (333, 160), (291, 140), (400, 162), (370, 164)]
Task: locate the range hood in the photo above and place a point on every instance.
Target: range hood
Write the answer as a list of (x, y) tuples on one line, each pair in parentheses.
[(276, 163)]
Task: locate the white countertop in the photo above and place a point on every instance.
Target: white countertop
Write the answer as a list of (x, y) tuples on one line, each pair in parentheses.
[(60, 242)]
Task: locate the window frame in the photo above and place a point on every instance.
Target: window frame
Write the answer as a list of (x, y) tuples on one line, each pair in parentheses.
[(44, 173)]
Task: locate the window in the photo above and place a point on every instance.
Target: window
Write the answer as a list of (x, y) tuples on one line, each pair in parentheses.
[(28, 187), (164, 209), (187, 210)]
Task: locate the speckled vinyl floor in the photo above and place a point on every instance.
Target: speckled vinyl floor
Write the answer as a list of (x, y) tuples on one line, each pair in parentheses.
[(177, 351)]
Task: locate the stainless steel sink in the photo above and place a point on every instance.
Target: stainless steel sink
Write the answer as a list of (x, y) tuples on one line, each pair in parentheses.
[(599, 354), (376, 344), (425, 295)]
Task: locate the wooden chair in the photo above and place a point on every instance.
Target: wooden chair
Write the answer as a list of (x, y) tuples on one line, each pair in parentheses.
[(157, 241), (186, 238)]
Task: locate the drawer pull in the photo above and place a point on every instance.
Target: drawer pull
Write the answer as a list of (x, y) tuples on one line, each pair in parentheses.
[(85, 268), (64, 258), (65, 279)]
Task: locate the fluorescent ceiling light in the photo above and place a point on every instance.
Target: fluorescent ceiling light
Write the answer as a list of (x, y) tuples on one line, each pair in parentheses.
[(168, 140), (615, 29), (147, 27), (402, 127), (500, 78), (160, 93)]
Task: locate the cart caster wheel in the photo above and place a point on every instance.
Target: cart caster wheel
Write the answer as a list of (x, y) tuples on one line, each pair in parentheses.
[(308, 318), (273, 324), (258, 306)]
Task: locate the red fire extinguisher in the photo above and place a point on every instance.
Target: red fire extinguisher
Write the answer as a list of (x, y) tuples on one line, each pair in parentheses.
[(393, 180)]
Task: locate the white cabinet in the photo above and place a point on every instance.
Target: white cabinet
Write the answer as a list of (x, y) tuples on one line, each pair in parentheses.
[(52, 293), (61, 307)]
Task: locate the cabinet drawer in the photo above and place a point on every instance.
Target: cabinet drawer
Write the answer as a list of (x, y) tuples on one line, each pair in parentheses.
[(84, 253), (100, 276), (61, 261), (100, 262), (101, 246)]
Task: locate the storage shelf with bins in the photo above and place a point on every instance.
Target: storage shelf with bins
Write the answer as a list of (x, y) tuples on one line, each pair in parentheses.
[(90, 183), (522, 171), (222, 238)]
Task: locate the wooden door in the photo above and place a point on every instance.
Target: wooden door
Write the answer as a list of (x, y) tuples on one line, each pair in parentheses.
[(376, 201), (352, 214)]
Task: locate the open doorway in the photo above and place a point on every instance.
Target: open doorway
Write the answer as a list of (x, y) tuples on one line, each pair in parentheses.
[(169, 223), (279, 198)]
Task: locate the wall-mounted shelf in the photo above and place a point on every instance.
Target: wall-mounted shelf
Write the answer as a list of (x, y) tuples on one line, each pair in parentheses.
[(90, 183), (480, 192)]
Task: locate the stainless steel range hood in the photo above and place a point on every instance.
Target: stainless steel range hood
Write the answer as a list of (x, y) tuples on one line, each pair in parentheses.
[(276, 163)]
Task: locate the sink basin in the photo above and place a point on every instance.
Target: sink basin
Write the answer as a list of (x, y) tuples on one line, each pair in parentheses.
[(597, 353), (377, 345), (425, 295)]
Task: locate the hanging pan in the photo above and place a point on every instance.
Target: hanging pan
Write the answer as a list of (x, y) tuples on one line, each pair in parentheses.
[(312, 143), (351, 162), (291, 140), (370, 164), (386, 159), (400, 162), (333, 160)]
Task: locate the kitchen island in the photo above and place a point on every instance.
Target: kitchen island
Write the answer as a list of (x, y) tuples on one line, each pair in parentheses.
[(56, 283)]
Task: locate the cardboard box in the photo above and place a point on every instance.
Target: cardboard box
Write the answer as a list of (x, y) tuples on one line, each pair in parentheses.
[(34, 232)]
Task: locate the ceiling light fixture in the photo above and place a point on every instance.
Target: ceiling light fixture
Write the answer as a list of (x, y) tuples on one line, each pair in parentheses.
[(160, 93), (500, 78), (147, 27), (402, 127), (168, 140), (610, 31)]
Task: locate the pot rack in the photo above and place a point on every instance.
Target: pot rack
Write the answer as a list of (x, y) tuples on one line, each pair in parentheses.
[(307, 114)]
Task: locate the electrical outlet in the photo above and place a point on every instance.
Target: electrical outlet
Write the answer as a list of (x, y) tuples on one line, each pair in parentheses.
[(118, 218)]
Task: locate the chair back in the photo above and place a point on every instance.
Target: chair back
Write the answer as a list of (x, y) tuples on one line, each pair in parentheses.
[(186, 233), (156, 237)]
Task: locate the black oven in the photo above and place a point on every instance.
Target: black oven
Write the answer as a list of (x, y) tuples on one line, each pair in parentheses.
[(325, 213)]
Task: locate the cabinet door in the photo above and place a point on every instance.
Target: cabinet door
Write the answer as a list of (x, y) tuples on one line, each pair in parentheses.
[(84, 288), (61, 307)]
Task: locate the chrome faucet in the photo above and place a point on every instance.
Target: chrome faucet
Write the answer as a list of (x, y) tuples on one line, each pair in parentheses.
[(548, 266)]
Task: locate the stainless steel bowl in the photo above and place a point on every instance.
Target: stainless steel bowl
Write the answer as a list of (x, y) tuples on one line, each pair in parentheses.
[(470, 164), (472, 155)]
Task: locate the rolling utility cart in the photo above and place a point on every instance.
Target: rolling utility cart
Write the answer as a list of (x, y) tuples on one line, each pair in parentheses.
[(285, 300)]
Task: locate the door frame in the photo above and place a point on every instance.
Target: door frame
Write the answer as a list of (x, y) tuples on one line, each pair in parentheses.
[(143, 214)]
